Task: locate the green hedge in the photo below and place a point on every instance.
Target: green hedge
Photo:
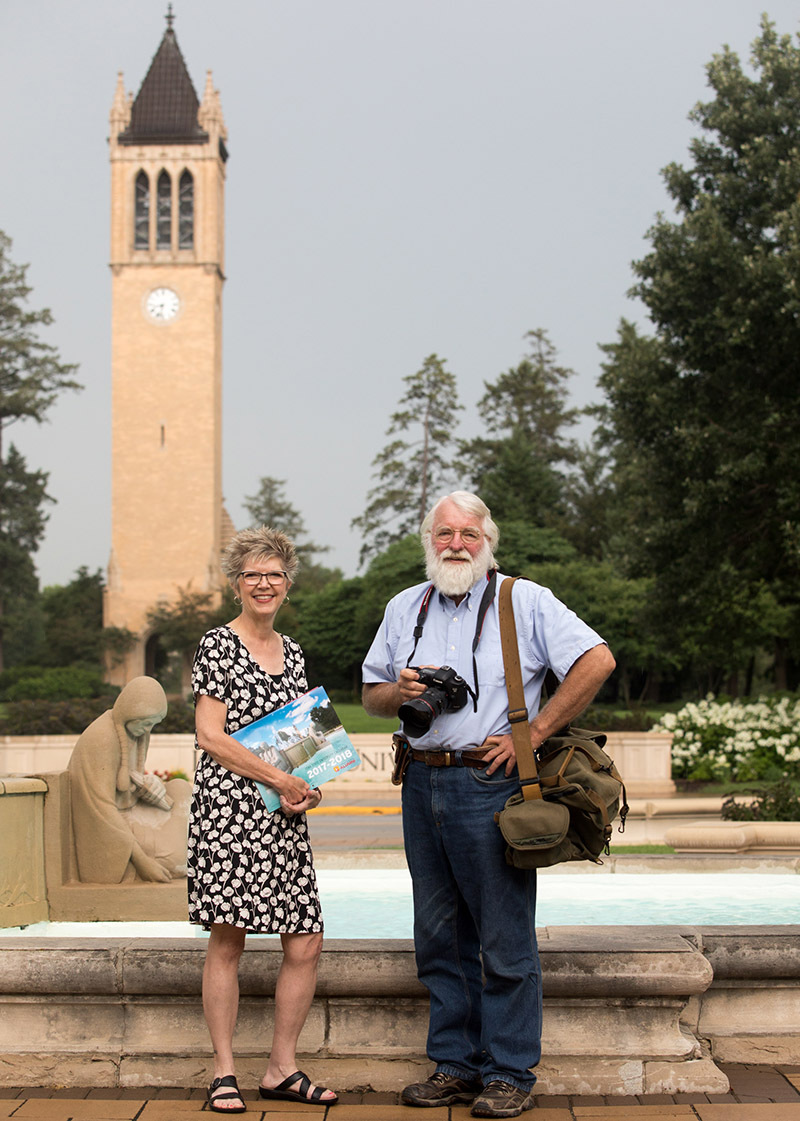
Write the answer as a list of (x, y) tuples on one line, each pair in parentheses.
[(63, 718), (59, 683), (51, 718)]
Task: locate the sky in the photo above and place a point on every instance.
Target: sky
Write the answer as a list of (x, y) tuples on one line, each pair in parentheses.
[(406, 177)]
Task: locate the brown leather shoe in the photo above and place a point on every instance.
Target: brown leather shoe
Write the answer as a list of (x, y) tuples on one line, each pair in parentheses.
[(501, 1099), (440, 1089)]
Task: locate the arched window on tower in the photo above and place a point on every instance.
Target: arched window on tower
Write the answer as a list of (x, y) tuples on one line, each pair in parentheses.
[(164, 212), (141, 219), (186, 211)]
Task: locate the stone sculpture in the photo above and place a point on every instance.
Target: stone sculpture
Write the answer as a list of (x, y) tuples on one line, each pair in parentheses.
[(127, 825)]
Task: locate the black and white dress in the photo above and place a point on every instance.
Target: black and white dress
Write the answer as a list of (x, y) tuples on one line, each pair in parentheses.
[(246, 866)]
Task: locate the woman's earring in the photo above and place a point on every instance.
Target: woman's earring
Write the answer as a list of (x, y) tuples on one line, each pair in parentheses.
[(285, 599), (237, 600)]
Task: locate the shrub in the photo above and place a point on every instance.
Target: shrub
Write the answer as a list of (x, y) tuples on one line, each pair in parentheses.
[(734, 740), (779, 802), (51, 718), (179, 718), (58, 683), (61, 718), (601, 719)]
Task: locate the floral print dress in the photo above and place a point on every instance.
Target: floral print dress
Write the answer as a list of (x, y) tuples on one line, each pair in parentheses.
[(246, 866)]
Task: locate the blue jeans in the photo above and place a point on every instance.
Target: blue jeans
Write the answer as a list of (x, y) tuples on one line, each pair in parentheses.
[(474, 926)]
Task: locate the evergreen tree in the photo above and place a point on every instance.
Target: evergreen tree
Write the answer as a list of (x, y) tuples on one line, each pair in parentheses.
[(518, 469), (411, 473), (270, 506)]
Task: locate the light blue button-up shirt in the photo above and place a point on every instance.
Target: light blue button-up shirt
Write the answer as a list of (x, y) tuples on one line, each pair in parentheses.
[(549, 636)]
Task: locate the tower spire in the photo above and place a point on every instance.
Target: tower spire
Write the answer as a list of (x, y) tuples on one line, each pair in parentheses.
[(170, 18)]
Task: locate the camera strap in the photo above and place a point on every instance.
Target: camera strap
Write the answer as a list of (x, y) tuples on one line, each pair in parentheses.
[(488, 596)]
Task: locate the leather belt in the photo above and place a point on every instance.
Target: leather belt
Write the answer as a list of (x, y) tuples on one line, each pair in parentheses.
[(450, 758)]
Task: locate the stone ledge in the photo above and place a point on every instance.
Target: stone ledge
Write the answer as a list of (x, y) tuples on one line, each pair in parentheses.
[(614, 999), (736, 837)]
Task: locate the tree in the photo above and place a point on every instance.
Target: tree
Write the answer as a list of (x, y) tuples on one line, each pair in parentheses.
[(336, 625), (618, 609), (269, 506), (703, 418), (410, 474), (73, 621), (522, 545), (31, 378), (326, 629), (22, 520), (518, 468), (179, 626)]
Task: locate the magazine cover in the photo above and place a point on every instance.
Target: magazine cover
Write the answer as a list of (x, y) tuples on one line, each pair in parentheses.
[(303, 738)]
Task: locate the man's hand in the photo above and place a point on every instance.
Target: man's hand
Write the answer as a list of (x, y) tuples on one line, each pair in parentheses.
[(385, 698), (500, 750), (410, 685)]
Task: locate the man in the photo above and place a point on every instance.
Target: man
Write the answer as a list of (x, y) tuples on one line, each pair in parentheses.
[(474, 928)]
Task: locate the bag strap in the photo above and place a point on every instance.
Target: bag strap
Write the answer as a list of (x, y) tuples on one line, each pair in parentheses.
[(517, 710)]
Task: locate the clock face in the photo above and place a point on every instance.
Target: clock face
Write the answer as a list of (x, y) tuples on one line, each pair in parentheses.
[(162, 305)]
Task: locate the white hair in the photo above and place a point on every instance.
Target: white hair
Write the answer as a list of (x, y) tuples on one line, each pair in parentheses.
[(469, 504)]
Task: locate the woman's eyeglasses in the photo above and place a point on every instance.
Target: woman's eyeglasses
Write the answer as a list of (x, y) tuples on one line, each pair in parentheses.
[(253, 579)]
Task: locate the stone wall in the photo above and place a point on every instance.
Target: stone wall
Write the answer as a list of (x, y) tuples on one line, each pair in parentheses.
[(23, 895), (628, 1010), (643, 758), (622, 1011)]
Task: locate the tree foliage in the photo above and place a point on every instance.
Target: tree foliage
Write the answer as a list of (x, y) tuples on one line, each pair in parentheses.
[(270, 506), (519, 466), (181, 624), (411, 471), (702, 418), (73, 621), (31, 378)]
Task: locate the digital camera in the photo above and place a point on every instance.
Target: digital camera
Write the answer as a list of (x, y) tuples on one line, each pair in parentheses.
[(445, 691)]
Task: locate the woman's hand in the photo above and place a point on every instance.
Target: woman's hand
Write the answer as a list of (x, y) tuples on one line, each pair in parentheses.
[(290, 787), (312, 799)]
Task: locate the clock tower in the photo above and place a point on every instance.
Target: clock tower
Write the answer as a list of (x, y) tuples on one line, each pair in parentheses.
[(168, 525)]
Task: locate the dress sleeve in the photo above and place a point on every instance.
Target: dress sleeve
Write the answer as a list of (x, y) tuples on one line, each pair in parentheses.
[(211, 667)]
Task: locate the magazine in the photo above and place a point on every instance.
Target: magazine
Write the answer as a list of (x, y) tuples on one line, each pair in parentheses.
[(305, 738)]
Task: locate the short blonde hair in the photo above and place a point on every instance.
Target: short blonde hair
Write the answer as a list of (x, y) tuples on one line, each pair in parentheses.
[(259, 544), (470, 504)]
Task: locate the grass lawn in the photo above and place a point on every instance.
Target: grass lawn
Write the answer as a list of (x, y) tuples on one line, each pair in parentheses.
[(646, 850), (356, 720)]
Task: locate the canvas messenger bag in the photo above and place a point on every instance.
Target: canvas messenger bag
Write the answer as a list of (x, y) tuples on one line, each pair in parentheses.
[(570, 790)]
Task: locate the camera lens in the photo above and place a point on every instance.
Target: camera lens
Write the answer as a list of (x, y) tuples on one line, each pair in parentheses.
[(418, 714)]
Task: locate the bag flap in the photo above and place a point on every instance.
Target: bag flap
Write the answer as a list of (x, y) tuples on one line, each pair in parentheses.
[(533, 825)]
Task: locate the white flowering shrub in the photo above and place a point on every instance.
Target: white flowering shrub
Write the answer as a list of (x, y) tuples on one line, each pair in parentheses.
[(735, 740)]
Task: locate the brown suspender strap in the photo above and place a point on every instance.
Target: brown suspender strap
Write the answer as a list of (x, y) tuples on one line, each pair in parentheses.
[(517, 709)]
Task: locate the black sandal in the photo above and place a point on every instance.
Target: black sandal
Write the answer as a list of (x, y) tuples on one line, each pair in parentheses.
[(282, 1093), (234, 1092)]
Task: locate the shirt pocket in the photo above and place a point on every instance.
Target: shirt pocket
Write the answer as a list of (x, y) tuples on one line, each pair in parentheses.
[(491, 670)]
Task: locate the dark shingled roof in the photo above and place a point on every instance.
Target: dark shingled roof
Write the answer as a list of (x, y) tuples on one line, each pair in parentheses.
[(165, 109)]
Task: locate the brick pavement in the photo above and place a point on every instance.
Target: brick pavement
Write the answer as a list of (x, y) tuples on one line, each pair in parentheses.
[(757, 1093)]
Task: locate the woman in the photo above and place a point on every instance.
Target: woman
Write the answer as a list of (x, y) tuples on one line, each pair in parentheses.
[(251, 870)]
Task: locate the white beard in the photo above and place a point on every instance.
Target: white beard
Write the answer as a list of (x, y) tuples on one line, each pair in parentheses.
[(456, 579)]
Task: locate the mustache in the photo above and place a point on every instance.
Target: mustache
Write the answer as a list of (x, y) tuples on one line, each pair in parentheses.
[(455, 554)]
